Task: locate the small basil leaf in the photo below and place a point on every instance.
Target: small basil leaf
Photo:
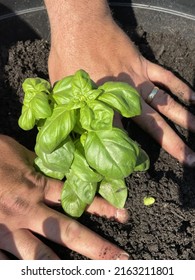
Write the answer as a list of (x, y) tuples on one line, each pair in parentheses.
[(71, 203), (94, 93), (114, 191), (81, 85), (62, 91), (26, 120), (39, 165), (143, 161), (33, 86), (121, 97), (96, 116), (40, 106), (56, 129), (111, 152)]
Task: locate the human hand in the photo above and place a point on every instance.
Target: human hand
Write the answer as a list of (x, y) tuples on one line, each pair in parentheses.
[(103, 50), (26, 197)]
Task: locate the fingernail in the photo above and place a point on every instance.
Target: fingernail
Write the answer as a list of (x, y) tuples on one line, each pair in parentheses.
[(122, 215), (123, 256)]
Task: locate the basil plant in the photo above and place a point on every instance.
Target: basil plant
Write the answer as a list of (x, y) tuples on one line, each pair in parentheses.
[(77, 141)]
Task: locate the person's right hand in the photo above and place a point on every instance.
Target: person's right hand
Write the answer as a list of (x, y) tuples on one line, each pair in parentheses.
[(106, 53), (26, 198)]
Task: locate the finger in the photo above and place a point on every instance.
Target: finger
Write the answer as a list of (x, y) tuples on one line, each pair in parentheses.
[(156, 126), (158, 74), (68, 232), (52, 191), (101, 207), (24, 245), (174, 111), (3, 256)]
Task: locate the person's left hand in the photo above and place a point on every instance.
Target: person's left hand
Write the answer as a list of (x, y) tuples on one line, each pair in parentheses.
[(27, 200)]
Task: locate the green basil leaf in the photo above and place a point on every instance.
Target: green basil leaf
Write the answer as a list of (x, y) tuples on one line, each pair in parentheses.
[(26, 120), (78, 129), (121, 97), (81, 85), (114, 191), (71, 203), (40, 106), (143, 161), (60, 159), (33, 86), (96, 116), (82, 169), (94, 93), (111, 152), (62, 91), (85, 190), (39, 165), (56, 128)]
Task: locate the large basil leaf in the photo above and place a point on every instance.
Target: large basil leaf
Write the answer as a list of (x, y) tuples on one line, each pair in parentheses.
[(111, 152), (121, 97), (71, 203), (85, 190), (143, 161), (82, 169), (114, 191), (56, 129), (60, 159), (33, 86), (96, 116), (26, 120), (40, 165)]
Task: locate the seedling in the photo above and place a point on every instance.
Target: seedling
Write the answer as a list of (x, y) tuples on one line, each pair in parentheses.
[(76, 140), (148, 200)]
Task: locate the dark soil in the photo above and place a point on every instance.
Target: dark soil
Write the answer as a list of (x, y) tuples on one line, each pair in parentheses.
[(165, 230)]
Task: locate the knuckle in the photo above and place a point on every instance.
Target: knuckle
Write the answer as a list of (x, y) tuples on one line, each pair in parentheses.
[(168, 75), (44, 253), (12, 205), (171, 104), (72, 232), (157, 123)]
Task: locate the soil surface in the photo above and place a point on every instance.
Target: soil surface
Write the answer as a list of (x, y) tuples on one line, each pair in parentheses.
[(165, 230)]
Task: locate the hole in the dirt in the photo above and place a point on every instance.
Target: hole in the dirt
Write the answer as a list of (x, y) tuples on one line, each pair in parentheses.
[(184, 227)]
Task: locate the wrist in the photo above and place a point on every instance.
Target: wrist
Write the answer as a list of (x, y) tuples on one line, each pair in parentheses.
[(69, 17)]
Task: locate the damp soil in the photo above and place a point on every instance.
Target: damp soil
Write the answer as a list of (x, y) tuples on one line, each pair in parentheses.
[(165, 230)]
